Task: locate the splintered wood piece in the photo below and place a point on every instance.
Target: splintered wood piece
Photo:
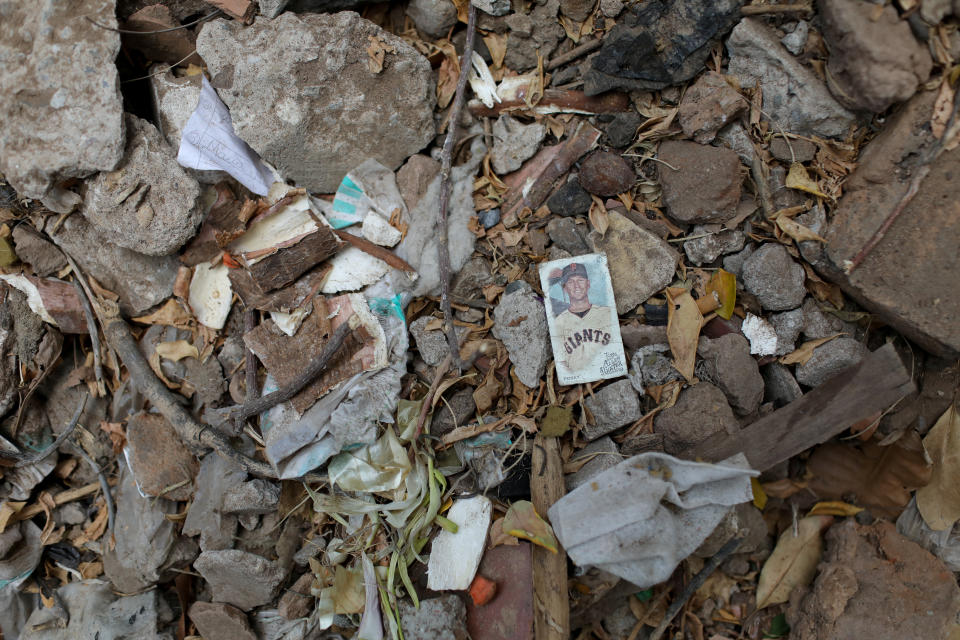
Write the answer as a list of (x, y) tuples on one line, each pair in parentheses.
[(877, 382), (286, 299), (551, 604), (286, 264), (223, 225)]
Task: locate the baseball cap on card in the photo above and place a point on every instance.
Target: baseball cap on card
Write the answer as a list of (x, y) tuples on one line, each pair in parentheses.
[(573, 269)]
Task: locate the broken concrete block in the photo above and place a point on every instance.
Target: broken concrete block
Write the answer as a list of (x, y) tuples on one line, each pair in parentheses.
[(432, 343), (206, 516), (793, 96), (514, 143), (601, 454), (701, 411), (318, 108), (161, 463), (242, 579), (219, 621), (614, 406), (640, 263), (829, 359), (774, 278), (707, 106), (521, 323), (728, 364), (442, 618), (254, 497), (58, 120)]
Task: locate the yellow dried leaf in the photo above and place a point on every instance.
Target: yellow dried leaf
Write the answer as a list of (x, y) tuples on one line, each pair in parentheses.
[(171, 313), (834, 508), (724, 284), (177, 350), (522, 521), (348, 592), (497, 46), (939, 501), (796, 230), (793, 562), (798, 179), (759, 495), (7, 510), (683, 329), (805, 351), (599, 218)]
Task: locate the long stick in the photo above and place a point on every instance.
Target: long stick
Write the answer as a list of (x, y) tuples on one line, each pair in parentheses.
[(466, 63)]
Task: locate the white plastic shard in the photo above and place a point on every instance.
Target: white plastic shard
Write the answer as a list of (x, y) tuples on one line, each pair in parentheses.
[(641, 518), (211, 295), (455, 556), (482, 82), (761, 334), (209, 142)]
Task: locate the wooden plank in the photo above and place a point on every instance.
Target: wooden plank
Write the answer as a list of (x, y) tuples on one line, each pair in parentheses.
[(551, 604), (877, 382), (286, 264)]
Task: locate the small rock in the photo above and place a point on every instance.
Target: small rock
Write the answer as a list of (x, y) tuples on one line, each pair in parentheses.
[(159, 458), (622, 129), (734, 137), (829, 359), (206, 516), (433, 17), (470, 280), (611, 8), (779, 385), (774, 278), (205, 378), (602, 453), (443, 618), (414, 177), (577, 10), (649, 367), (520, 322), (297, 602), (874, 59), (257, 496), (659, 44), (744, 520), (59, 121), (489, 218), (796, 40), (141, 281), (728, 364), (513, 142), (493, 7), (701, 183), (636, 336), (817, 324), (761, 334), (793, 96), (612, 407), (640, 263), (734, 263), (432, 344), (242, 579), (713, 244), (219, 621), (538, 31), (570, 200), (453, 412), (316, 111), (565, 234), (803, 150), (708, 106), (163, 40), (43, 256), (816, 220), (788, 325), (606, 174), (700, 412), (860, 592)]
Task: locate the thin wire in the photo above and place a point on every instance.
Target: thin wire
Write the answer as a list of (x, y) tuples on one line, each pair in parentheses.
[(161, 72), (131, 32)]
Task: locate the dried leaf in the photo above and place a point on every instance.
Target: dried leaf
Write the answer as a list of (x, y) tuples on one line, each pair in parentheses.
[(796, 230), (798, 179), (447, 74), (118, 437), (793, 562), (7, 510), (683, 329), (805, 351), (724, 284), (377, 50), (942, 108), (834, 508), (881, 478), (485, 396), (599, 218), (497, 46), (347, 590), (171, 313), (522, 521), (95, 529), (498, 537), (177, 350), (759, 495), (939, 501)]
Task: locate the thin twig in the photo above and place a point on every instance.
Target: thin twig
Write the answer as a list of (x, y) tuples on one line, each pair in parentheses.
[(140, 33), (162, 71), (250, 372), (573, 54), (94, 337), (761, 9), (708, 568), (104, 487), (27, 460), (442, 369), (375, 250), (446, 166)]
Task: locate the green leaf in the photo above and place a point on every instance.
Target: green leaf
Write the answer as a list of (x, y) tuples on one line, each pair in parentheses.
[(778, 627)]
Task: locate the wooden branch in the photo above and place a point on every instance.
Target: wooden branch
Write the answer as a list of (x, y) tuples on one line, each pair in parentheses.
[(251, 318), (551, 603), (286, 264), (23, 460), (376, 251), (577, 52), (871, 386), (94, 337), (117, 333), (761, 9), (446, 165)]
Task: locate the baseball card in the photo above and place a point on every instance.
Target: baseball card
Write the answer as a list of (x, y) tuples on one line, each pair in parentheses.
[(582, 316)]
